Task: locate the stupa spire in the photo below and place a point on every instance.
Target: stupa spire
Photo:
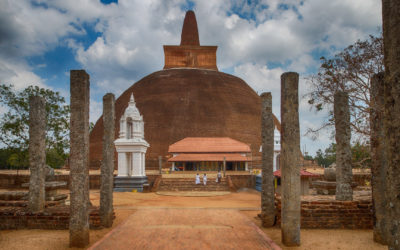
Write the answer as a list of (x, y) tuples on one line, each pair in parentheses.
[(190, 33), (189, 54)]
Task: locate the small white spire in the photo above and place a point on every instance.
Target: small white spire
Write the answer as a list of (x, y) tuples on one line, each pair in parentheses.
[(132, 100)]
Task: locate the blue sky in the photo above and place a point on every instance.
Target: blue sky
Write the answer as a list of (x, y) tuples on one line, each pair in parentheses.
[(120, 42)]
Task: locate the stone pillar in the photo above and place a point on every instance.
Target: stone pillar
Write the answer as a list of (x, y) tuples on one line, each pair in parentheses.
[(79, 159), (378, 158), (267, 135), (391, 41), (290, 224), (37, 153), (344, 174), (107, 165)]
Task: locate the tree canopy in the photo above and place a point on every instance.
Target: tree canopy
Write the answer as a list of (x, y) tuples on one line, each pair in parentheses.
[(14, 123), (360, 156), (351, 71)]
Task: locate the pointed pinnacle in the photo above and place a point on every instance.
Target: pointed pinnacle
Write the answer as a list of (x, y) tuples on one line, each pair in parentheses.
[(190, 33)]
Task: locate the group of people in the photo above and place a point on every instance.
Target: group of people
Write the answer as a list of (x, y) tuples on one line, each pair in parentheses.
[(218, 179)]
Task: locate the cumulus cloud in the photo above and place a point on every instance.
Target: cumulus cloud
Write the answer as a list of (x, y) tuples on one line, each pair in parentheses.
[(258, 40), (262, 79), (18, 74)]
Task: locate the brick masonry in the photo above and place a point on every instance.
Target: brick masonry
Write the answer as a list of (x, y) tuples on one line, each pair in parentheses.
[(52, 218), (15, 181), (332, 214)]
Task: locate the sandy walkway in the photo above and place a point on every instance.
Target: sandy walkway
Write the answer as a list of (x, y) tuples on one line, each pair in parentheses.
[(248, 202), (184, 228)]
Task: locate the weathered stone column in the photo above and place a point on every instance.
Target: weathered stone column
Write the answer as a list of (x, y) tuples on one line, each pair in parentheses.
[(391, 41), (267, 135), (79, 159), (344, 174), (378, 158), (37, 153), (290, 156), (107, 165)]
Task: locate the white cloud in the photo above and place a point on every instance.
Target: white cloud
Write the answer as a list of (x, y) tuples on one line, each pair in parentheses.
[(262, 79), (18, 74), (278, 32)]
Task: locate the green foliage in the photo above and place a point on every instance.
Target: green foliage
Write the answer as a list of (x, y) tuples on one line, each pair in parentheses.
[(54, 159), (18, 160), (13, 159), (327, 157), (308, 158), (14, 123), (360, 155)]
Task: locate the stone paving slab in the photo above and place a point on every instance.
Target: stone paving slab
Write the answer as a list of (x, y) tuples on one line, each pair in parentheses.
[(186, 229)]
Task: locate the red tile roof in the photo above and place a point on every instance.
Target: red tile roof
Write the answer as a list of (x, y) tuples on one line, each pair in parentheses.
[(303, 173), (208, 145), (208, 157)]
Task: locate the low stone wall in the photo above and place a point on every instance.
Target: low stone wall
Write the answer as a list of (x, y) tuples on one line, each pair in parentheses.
[(243, 181), (54, 218), (332, 214), (15, 181), (362, 179)]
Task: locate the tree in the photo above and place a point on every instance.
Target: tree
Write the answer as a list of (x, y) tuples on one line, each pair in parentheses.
[(14, 123), (360, 155), (328, 157), (351, 71)]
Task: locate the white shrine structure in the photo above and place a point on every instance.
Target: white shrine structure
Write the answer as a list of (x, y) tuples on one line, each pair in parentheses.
[(131, 148), (277, 149)]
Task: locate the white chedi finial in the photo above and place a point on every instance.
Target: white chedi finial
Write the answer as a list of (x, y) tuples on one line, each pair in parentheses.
[(132, 100)]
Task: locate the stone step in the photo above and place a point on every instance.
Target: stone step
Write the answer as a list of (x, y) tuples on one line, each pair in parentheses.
[(195, 189), (188, 184)]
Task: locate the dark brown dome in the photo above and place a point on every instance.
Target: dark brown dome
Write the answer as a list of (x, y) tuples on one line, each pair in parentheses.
[(179, 103)]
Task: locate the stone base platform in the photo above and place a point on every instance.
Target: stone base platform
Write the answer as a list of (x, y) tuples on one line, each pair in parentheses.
[(324, 212), (328, 187), (129, 184), (52, 218), (21, 197), (186, 229)]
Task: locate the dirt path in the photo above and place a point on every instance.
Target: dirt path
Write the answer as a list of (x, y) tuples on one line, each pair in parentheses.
[(185, 228), (128, 203)]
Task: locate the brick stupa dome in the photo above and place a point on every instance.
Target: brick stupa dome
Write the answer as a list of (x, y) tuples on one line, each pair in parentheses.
[(188, 98)]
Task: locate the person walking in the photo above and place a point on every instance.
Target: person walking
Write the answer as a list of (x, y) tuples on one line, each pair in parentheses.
[(205, 179), (197, 181), (219, 176)]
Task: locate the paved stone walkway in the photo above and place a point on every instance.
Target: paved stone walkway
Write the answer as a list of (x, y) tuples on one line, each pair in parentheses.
[(186, 229)]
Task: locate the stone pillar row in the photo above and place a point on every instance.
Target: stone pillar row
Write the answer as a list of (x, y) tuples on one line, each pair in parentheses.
[(267, 136), (391, 42), (344, 174), (79, 159), (37, 153), (290, 156), (107, 164)]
